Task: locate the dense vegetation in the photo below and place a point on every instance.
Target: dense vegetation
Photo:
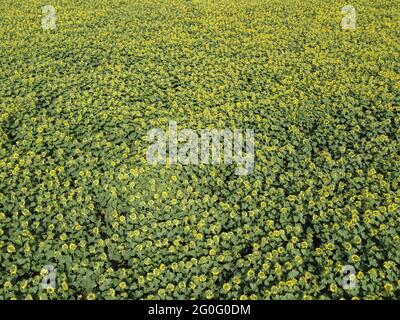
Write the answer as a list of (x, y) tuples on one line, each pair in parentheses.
[(76, 192)]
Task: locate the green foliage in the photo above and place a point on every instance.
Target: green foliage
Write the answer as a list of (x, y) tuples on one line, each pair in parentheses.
[(77, 193)]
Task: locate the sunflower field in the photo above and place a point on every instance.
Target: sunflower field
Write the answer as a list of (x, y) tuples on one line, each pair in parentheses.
[(76, 191)]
